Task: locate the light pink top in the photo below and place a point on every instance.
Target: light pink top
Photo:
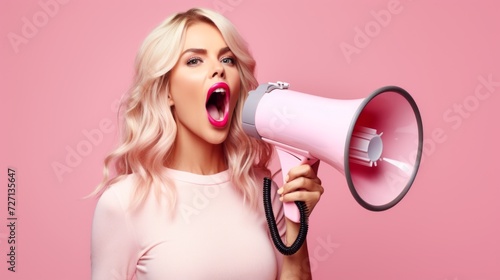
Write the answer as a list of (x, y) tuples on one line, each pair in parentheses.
[(211, 235)]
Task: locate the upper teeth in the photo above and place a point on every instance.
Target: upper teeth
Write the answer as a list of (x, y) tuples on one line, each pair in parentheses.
[(221, 90)]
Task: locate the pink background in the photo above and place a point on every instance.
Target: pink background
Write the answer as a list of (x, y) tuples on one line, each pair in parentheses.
[(62, 82)]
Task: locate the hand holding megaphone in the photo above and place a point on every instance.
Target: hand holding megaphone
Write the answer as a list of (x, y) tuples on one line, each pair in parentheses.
[(375, 142)]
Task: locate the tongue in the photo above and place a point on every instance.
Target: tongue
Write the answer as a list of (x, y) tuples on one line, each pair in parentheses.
[(214, 112)]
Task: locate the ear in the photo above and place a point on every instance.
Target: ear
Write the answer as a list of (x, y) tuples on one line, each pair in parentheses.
[(170, 100)]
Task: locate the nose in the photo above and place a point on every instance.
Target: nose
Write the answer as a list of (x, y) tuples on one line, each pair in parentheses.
[(218, 71)]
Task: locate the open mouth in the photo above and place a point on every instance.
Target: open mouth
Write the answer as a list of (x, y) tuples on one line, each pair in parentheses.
[(217, 104)]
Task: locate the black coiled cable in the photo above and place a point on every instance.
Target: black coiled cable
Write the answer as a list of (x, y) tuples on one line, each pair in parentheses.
[(271, 221)]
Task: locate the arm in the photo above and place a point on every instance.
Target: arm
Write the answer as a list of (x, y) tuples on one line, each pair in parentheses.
[(301, 184), (113, 245)]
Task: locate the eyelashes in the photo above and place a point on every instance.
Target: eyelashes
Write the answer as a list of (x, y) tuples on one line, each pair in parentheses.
[(192, 61), (229, 60)]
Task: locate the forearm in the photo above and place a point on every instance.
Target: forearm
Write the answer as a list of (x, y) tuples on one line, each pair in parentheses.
[(295, 266)]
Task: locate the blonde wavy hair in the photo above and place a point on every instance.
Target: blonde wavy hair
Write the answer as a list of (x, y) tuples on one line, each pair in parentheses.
[(149, 129)]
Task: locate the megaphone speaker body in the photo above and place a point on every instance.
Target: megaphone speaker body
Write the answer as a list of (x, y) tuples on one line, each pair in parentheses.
[(375, 142)]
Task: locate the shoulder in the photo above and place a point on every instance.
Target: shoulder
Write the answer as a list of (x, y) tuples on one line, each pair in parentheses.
[(118, 196)]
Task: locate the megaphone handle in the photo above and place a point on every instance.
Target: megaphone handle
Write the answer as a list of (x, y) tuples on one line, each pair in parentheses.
[(288, 160)]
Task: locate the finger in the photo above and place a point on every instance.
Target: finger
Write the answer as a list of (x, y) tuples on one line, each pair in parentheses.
[(308, 197), (303, 170), (301, 183)]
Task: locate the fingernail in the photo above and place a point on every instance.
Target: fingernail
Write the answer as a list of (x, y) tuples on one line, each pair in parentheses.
[(286, 178), (280, 190)]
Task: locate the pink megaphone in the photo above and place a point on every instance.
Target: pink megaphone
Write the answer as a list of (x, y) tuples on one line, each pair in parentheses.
[(376, 142)]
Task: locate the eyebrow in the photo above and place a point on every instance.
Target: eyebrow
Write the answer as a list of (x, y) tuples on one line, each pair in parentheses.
[(204, 51)]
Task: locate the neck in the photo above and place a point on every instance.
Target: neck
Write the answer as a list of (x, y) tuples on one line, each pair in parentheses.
[(193, 154)]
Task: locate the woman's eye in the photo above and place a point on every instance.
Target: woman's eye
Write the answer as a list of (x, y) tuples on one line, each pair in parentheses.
[(228, 60), (194, 61)]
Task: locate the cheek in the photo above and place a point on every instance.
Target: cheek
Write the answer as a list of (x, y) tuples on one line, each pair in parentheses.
[(234, 103), (185, 92), (235, 88), (235, 97), (185, 80)]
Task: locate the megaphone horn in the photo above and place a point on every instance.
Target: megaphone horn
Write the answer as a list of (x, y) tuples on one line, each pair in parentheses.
[(376, 142)]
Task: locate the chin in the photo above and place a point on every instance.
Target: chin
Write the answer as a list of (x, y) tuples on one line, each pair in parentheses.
[(217, 136)]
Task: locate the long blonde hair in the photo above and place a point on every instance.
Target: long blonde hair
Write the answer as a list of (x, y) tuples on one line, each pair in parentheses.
[(149, 129)]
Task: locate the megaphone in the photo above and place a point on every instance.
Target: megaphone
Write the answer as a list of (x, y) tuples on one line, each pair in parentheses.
[(375, 142)]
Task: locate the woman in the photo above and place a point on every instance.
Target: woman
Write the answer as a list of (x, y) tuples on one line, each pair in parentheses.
[(185, 200)]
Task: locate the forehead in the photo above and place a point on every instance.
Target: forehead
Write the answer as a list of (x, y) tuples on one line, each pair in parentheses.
[(203, 35)]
